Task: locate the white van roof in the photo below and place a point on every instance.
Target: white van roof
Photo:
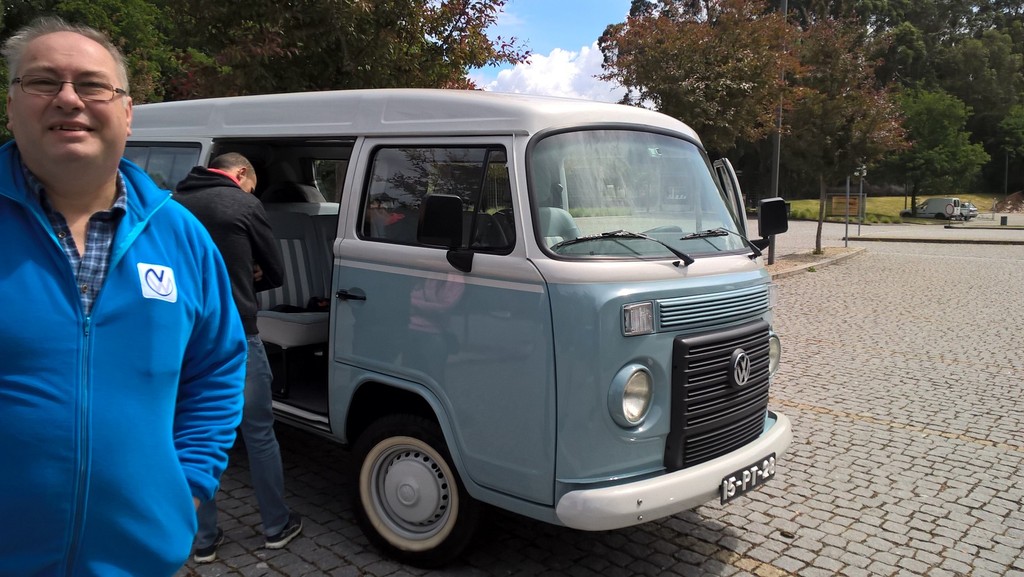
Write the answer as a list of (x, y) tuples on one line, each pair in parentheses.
[(404, 111)]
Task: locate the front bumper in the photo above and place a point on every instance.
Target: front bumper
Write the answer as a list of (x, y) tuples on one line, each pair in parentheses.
[(641, 501)]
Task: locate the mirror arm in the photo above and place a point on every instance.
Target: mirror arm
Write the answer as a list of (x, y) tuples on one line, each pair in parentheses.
[(461, 259)]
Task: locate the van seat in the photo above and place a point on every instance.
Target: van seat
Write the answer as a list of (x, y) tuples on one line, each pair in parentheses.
[(325, 223), (307, 271), (293, 329), (556, 225)]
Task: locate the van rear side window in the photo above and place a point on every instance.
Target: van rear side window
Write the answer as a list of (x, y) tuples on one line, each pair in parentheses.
[(401, 178), (166, 164)]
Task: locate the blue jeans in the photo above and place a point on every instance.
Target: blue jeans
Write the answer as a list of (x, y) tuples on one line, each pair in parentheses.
[(265, 467)]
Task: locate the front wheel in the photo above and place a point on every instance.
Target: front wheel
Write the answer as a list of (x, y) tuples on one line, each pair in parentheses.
[(410, 501)]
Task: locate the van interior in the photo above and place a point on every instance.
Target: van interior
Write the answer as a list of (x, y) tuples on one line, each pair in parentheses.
[(300, 185)]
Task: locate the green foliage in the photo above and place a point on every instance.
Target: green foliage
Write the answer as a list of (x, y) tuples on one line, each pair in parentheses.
[(331, 44), (984, 72), (841, 118), (971, 49), (178, 49), (131, 24), (1012, 131), (941, 159), (717, 65)]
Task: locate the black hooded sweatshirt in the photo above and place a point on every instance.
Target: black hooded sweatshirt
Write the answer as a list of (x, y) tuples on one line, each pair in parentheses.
[(238, 224)]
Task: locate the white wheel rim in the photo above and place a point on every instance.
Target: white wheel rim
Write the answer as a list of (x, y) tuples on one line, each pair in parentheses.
[(409, 494)]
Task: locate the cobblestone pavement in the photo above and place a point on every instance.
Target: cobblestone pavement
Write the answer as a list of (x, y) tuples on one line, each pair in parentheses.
[(902, 372)]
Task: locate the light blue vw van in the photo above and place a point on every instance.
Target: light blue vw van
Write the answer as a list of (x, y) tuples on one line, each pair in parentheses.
[(551, 306)]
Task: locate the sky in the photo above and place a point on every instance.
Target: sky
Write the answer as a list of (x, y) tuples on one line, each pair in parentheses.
[(562, 37)]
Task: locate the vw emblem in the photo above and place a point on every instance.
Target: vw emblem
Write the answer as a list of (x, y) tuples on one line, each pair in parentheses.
[(740, 365)]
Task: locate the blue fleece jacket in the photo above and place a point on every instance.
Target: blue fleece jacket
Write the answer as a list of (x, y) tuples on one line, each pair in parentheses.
[(110, 423)]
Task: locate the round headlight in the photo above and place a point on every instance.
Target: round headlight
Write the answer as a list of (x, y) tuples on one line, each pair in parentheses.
[(636, 397), (774, 353), (630, 396)]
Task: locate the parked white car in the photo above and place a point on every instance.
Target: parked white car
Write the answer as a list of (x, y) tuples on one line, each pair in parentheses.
[(968, 211)]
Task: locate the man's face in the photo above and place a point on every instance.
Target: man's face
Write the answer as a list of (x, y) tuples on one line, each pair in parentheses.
[(55, 133)]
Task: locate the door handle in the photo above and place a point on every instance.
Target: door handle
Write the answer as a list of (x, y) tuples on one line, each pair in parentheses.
[(344, 295)]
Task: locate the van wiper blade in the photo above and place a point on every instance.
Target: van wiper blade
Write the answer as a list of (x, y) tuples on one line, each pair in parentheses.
[(687, 259), (712, 232), (706, 233)]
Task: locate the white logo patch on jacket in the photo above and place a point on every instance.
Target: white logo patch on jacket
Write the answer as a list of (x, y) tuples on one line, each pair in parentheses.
[(157, 282)]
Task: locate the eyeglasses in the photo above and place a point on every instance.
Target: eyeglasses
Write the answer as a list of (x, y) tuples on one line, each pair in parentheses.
[(88, 90)]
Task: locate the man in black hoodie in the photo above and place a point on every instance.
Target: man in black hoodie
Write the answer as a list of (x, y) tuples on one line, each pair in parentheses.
[(221, 198)]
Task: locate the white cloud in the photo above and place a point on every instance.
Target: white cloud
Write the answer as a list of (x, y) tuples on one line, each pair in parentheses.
[(560, 73)]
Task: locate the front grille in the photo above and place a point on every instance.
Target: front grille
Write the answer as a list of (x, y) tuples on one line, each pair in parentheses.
[(711, 310), (710, 415)]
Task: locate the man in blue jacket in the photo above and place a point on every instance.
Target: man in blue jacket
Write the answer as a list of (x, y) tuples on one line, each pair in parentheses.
[(123, 356)]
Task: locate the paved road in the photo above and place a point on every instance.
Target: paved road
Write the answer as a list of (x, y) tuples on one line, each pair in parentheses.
[(902, 373)]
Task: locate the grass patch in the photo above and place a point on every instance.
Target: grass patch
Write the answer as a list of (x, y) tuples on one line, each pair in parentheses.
[(884, 209)]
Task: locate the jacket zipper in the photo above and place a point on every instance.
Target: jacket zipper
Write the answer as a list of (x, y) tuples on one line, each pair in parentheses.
[(82, 475)]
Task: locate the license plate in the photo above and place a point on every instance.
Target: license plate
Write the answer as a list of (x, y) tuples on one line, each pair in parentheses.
[(747, 478)]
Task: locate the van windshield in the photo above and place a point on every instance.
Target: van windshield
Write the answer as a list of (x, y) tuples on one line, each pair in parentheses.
[(628, 194)]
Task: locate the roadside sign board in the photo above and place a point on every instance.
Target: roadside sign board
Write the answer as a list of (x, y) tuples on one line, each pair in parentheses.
[(837, 205)]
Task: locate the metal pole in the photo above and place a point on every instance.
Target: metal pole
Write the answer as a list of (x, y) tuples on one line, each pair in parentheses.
[(846, 237), (862, 203), (777, 141), (777, 146)]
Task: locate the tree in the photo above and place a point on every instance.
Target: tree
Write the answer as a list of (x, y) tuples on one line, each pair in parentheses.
[(971, 49), (841, 118), (988, 76), (1012, 128), (132, 25), (941, 158), (179, 49), (716, 65), (331, 44), (1012, 131)]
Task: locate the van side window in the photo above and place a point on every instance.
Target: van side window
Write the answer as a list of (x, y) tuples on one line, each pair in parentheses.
[(401, 178), (166, 164), (330, 177)]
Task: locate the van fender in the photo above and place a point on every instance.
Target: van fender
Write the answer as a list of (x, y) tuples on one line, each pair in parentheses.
[(368, 396)]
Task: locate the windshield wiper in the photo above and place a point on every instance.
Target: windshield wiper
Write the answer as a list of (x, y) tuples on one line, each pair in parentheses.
[(712, 232), (706, 233), (687, 259)]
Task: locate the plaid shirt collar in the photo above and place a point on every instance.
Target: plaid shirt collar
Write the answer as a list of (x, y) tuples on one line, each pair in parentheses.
[(120, 205), (89, 263)]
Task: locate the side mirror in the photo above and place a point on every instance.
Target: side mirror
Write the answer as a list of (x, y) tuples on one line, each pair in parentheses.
[(440, 221), (772, 217), (441, 225)]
